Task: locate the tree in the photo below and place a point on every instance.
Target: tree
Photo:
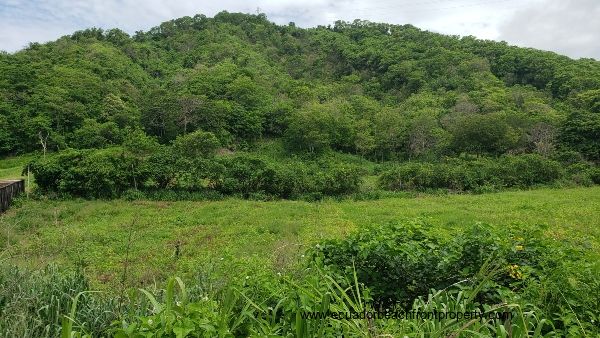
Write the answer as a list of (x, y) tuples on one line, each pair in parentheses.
[(483, 134), (422, 136), (309, 130), (159, 115), (196, 145), (7, 139), (189, 105), (115, 110), (94, 134), (390, 129), (541, 136), (138, 143), (364, 140), (581, 132)]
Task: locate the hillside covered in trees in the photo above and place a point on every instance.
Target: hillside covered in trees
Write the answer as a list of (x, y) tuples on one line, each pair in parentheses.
[(174, 136), (380, 93)]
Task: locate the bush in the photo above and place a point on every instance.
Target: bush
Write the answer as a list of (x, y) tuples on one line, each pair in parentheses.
[(411, 176), (102, 173), (133, 195), (594, 174), (49, 170), (338, 179), (248, 175), (196, 144), (291, 180), (527, 170), (108, 173), (401, 262), (244, 175), (472, 175)]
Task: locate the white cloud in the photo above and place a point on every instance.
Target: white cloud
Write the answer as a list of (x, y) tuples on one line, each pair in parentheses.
[(22, 21), (568, 27)]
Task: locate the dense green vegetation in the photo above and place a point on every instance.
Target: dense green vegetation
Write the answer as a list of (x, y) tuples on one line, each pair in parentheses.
[(551, 234), (175, 96), (279, 170)]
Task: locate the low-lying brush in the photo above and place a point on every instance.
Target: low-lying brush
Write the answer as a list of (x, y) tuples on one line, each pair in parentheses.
[(118, 172), (479, 174), (513, 282), (115, 172), (401, 262)]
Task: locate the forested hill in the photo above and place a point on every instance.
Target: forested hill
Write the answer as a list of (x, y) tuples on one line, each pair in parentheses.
[(381, 91)]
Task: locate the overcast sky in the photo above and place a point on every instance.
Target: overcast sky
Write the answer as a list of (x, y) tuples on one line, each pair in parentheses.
[(570, 27)]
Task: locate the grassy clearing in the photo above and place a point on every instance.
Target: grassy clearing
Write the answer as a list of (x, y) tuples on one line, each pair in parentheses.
[(12, 168), (251, 237)]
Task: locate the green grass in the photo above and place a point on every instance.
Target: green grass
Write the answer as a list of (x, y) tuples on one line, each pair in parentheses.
[(251, 236), (12, 168)]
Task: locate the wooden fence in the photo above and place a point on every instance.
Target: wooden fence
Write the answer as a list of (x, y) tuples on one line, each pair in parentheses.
[(8, 191)]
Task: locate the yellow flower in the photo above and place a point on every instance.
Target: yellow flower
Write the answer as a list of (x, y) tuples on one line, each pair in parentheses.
[(519, 248), (514, 272)]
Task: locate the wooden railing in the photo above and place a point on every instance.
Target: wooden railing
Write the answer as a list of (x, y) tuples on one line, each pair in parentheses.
[(8, 191)]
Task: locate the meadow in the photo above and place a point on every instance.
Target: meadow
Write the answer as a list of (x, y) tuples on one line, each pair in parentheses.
[(157, 239)]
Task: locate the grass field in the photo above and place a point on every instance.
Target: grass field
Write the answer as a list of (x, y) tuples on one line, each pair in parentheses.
[(153, 240), (12, 168)]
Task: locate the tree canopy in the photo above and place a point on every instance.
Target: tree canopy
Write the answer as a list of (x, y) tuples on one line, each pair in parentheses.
[(385, 92)]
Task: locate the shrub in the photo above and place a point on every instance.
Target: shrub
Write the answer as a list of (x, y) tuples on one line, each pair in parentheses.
[(248, 174), (411, 176), (401, 262), (527, 170), (244, 175), (49, 170), (472, 175), (196, 144), (102, 173), (133, 195), (338, 179), (594, 174), (291, 180)]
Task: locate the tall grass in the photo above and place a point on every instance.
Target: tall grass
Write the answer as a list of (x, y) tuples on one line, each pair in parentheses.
[(32, 304), (238, 313), (51, 303)]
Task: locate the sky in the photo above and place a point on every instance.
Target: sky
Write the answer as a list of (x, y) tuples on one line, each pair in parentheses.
[(568, 27)]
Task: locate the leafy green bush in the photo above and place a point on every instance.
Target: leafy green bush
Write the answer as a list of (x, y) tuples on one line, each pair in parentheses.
[(472, 175), (401, 262), (102, 173), (594, 175), (196, 144), (338, 179), (527, 170), (49, 170), (246, 175)]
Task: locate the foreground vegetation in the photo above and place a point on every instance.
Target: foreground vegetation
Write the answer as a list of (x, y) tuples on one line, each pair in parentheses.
[(258, 234), (239, 259)]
